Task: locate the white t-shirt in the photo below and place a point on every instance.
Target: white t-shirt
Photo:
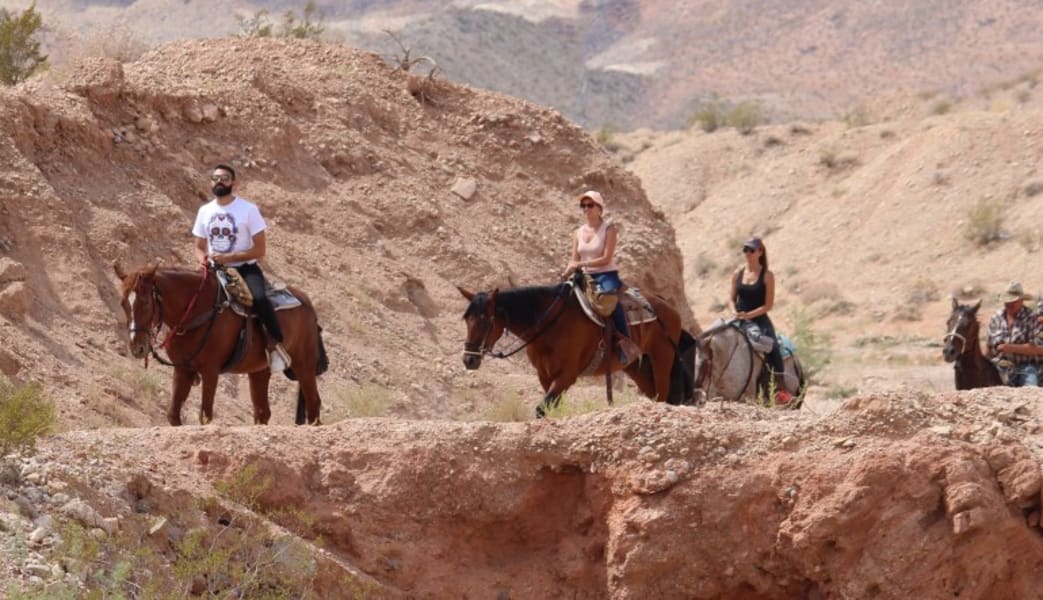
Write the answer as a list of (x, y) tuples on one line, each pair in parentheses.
[(229, 228)]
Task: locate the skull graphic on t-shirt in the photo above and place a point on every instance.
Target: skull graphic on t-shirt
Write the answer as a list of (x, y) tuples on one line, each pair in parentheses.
[(222, 232)]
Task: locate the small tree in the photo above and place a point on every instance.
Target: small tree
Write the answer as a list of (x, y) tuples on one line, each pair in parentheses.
[(20, 55)]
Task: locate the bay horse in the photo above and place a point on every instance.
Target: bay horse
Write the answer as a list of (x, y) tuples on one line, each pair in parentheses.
[(563, 344), (203, 339), (729, 368), (963, 350)]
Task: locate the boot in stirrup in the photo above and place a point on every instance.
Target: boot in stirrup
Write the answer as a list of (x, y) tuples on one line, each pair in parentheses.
[(278, 358), (628, 350)]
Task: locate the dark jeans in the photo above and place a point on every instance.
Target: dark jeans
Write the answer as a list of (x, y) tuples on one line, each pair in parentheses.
[(262, 305), (608, 283), (775, 356)]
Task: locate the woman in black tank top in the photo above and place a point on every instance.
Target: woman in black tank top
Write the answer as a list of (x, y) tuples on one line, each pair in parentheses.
[(752, 296)]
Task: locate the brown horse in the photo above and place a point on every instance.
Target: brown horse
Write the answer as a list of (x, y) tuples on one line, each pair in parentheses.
[(962, 348), (205, 338), (563, 344)]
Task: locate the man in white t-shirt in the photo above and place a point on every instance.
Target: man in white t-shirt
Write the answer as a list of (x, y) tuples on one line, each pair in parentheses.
[(230, 231)]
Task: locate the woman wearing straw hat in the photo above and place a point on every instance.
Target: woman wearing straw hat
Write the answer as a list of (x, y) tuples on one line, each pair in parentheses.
[(593, 249), (1012, 339)]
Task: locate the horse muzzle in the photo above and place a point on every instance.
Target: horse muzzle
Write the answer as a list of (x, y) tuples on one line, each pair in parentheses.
[(472, 360)]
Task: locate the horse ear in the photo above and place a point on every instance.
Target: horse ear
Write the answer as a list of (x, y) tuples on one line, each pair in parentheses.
[(466, 294), (954, 303), (976, 306), (119, 270)]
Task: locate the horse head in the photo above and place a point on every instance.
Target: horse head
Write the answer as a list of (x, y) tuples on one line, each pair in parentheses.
[(484, 328), (962, 330), (139, 299)]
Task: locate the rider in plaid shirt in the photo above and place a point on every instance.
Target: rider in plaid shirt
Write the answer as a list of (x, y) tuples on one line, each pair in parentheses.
[(1012, 337)]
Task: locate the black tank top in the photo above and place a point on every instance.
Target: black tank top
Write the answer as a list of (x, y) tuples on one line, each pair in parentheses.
[(749, 297)]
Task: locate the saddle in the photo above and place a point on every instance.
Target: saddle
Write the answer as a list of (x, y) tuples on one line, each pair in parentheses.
[(636, 307), (240, 300)]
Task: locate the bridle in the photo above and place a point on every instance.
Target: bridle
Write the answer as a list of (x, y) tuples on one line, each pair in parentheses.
[(183, 326), (706, 366), (482, 347), (955, 334)]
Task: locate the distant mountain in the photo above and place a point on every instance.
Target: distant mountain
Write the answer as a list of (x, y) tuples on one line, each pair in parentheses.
[(625, 64)]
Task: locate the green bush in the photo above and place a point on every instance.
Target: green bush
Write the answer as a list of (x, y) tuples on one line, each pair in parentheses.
[(985, 223), (745, 117), (25, 415), (20, 55), (711, 116), (306, 26), (813, 346)]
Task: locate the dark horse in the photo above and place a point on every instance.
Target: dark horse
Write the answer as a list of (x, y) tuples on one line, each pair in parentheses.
[(563, 344), (962, 349), (203, 339)]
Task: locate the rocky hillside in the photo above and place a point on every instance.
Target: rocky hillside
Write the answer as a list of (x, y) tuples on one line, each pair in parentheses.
[(354, 166), (890, 496)]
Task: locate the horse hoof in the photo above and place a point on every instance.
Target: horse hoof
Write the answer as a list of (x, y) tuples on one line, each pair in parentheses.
[(204, 420)]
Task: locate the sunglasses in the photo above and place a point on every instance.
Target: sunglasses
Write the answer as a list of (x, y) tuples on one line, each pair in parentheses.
[(586, 205), (747, 250), (221, 178)]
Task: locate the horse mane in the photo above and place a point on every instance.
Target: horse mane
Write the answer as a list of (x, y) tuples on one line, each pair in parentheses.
[(150, 270), (521, 306)]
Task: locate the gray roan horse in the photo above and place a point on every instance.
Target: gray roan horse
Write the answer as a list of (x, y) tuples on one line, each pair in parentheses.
[(728, 368)]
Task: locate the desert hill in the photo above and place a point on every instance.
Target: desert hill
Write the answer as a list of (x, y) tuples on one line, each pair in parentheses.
[(353, 173), (623, 64)]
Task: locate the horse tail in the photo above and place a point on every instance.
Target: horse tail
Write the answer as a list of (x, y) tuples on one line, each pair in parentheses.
[(300, 418), (323, 364), (682, 373)]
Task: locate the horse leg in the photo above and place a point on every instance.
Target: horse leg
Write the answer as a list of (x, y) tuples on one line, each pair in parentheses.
[(554, 389), (662, 359), (206, 406), (183, 379), (259, 395), (308, 389)]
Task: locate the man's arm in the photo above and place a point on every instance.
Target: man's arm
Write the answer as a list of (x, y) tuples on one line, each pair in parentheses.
[(201, 250)]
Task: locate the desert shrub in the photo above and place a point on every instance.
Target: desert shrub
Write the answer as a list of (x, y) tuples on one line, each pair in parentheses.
[(307, 25), (257, 26), (711, 115), (907, 312), (369, 400), (1029, 239), (941, 107), (25, 415), (511, 409), (813, 346), (828, 158), (20, 55), (924, 291), (984, 223), (1023, 96), (857, 117), (703, 265), (746, 116), (840, 392)]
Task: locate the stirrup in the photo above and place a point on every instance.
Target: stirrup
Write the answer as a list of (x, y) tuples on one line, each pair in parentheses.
[(278, 358)]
